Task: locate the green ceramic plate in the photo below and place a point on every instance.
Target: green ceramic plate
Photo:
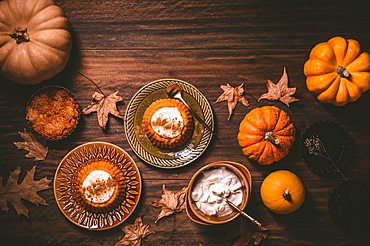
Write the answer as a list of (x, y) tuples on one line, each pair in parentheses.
[(140, 144)]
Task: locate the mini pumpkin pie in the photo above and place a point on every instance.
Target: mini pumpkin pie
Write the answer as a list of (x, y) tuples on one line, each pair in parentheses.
[(99, 186), (53, 112), (168, 123)]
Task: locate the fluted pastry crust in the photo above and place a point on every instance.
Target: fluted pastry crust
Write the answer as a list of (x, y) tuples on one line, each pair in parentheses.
[(53, 112), (182, 128)]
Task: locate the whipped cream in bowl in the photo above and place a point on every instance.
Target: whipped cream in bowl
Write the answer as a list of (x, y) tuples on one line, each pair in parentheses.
[(211, 186)]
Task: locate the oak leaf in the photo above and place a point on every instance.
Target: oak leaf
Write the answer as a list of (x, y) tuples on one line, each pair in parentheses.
[(134, 233), (35, 147), (280, 91), (103, 106), (170, 202), (232, 96), (26, 189)]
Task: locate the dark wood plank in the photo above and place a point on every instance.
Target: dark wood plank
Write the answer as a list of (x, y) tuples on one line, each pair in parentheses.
[(123, 45)]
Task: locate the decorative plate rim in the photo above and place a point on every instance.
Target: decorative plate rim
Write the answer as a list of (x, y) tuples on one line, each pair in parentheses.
[(129, 124), (79, 215), (345, 152)]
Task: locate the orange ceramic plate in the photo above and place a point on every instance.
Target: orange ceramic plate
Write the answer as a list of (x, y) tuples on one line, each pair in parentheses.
[(69, 168)]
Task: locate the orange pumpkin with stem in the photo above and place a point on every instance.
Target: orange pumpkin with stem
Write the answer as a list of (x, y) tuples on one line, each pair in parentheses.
[(337, 71), (266, 134), (282, 192)]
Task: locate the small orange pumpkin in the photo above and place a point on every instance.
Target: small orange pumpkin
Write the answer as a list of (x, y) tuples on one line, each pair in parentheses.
[(282, 192), (266, 134), (337, 72)]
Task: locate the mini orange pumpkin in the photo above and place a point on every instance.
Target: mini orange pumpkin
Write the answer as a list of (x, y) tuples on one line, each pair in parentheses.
[(35, 42), (282, 192), (337, 72), (266, 134)]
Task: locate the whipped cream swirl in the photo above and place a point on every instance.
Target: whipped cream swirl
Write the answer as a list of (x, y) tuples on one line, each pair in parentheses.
[(212, 186)]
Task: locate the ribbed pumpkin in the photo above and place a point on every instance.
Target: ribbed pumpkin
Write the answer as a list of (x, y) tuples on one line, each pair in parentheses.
[(282, 192), (266, 134), (35, 42), (337, 71)]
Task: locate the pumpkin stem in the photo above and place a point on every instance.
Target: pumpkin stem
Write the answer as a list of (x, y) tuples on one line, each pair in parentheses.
[(271, 137), (343, 72), (287, 195), (20, 35)]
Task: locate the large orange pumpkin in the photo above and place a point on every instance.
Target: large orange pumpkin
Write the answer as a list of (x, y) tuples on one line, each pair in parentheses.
[(337, 71), (282, 192), (35, 42), (266, 134)]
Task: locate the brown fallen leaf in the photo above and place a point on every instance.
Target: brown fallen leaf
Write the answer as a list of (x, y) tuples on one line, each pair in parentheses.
[(134, 233), (170, 202), (27, 189), (36, 148), (232, 96), (249, 233), (103, 106), (280, 91)]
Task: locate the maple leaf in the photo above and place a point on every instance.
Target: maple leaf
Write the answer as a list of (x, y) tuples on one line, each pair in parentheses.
[(35, 147), (103, 105), (170, 202), (249, 233), (280, 91), (134, 233), (27, 189), (232, 96)]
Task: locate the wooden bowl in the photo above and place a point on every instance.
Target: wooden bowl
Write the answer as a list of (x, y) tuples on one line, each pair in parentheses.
[(198, 216)]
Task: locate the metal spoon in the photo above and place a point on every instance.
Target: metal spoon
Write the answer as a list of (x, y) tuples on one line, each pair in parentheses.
[(253, 220), (174, 91)]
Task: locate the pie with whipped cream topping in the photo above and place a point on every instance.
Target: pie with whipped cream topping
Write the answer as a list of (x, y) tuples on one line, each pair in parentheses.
[(100, 186), (168, 123)]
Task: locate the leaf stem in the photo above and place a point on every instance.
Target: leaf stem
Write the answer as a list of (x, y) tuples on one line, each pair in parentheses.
[(92, 81), (331, 160), (245, 77)]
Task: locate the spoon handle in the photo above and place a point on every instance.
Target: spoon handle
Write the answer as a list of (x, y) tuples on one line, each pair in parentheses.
[(256, 222), (196, 115)]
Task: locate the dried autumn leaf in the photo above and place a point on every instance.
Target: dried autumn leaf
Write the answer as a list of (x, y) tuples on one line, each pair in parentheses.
[(280, 91), (27, 189), (232, 96), (134, 233), (35, 147), (249, 233), (103, 106), (170, 202)]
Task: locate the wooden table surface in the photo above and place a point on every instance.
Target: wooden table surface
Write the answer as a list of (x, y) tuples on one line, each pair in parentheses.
[(124, 45)]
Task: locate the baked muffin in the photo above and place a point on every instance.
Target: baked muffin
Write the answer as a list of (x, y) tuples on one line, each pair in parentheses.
[(99, 186), (168, 123), (53, 112)]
